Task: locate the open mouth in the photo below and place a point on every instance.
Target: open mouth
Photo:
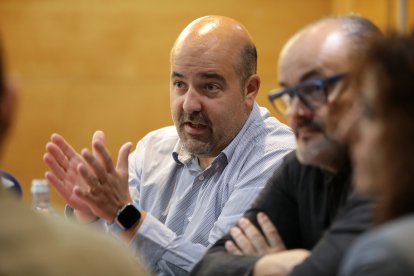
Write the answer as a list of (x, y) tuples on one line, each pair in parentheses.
[(194, 128)]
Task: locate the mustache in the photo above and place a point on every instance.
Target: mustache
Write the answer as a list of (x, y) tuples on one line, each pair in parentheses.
[(194, 118), (318, 127), (310, 124)]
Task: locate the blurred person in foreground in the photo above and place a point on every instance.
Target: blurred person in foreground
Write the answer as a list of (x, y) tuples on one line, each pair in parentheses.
[(191, 182), (307, 215), (383, 156), (33, 244)]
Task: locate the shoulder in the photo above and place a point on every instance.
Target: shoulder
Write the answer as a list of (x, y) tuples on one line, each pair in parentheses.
[(275, 133), (165, 133), (398, 233), (387, 250), (293, 168), (163, 138), (52, 246), (104, 254), (295, 178)]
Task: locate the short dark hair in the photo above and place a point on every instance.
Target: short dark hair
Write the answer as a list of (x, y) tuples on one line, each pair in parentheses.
[(248, 62)]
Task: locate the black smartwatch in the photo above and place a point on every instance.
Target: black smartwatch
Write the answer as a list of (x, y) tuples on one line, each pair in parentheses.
[(126, 217)]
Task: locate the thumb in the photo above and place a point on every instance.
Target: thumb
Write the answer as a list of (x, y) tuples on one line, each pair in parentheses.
[(122, 163)]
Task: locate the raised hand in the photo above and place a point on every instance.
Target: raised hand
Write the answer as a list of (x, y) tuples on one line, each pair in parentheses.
[(63, 162), (248, 240), (108, 185)]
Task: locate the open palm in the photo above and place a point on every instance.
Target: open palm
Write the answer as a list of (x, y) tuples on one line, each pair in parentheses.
[(63, 162)]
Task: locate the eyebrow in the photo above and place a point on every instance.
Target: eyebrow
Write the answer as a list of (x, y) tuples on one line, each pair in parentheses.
[(310, 75), (314, 73), (176, 75), (205, 76), (212, 76)]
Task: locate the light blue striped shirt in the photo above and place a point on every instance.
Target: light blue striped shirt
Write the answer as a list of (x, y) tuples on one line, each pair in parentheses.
[(191, 208)]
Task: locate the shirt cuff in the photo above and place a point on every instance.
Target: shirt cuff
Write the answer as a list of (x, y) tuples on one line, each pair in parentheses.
[(152, 239)]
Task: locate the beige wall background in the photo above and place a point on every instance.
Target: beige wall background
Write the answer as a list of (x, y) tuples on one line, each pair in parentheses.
[(87, 65)]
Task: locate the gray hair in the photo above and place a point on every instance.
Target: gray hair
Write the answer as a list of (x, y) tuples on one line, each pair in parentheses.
[(359, 30)]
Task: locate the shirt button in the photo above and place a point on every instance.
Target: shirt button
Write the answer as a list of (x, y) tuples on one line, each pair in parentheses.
[(201, 178)]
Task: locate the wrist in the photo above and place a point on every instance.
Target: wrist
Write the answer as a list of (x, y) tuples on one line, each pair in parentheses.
[(79, 216)]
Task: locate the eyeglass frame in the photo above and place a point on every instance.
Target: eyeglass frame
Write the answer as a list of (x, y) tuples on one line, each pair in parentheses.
[(294, 91)]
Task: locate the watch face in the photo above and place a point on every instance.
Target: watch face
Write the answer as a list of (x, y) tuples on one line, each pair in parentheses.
[(129, 216)]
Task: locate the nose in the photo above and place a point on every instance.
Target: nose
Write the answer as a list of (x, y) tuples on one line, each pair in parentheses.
[(299, 110), (192, 101)]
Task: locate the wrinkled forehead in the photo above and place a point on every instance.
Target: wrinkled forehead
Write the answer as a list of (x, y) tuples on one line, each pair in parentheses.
[(314, 54)]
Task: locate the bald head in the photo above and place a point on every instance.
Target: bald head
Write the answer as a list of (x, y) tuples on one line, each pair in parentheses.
[(221, 35), (354, 31)]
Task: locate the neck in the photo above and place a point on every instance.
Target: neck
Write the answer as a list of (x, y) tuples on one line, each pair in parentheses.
[(205, 161), (336, 164)]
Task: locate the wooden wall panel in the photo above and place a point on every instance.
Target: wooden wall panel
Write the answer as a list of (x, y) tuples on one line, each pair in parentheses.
[(384, 13)]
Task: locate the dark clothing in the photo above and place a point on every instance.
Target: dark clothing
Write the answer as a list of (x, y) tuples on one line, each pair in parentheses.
[(303, 202)]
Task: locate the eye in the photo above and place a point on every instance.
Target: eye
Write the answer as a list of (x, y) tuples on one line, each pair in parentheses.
[(312, 92), (212, 88), (179, 85)]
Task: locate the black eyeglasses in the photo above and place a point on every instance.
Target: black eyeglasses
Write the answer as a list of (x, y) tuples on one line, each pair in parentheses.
[(312, 93)]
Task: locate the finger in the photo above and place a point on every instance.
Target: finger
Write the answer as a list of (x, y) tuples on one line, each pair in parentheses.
[(101, 152), (58, 155), (242, 241), (122, 163), (256, 238), (58, 185), (83, 194), (90, 179), (64, 146), (54, 166), (98, 136), (232, 248), (270, 231), (99, 174)]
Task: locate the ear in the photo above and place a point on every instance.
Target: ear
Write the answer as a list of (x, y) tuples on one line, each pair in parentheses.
[(251, 89)]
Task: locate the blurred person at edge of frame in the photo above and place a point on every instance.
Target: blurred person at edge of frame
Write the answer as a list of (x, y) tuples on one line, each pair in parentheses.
[(34, 244), (381, 129)]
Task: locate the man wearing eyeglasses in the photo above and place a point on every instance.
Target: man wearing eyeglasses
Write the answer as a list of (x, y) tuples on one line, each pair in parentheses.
[(307, 215)]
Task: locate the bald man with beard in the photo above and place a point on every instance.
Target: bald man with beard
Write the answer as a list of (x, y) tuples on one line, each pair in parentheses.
[(190, 183)]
